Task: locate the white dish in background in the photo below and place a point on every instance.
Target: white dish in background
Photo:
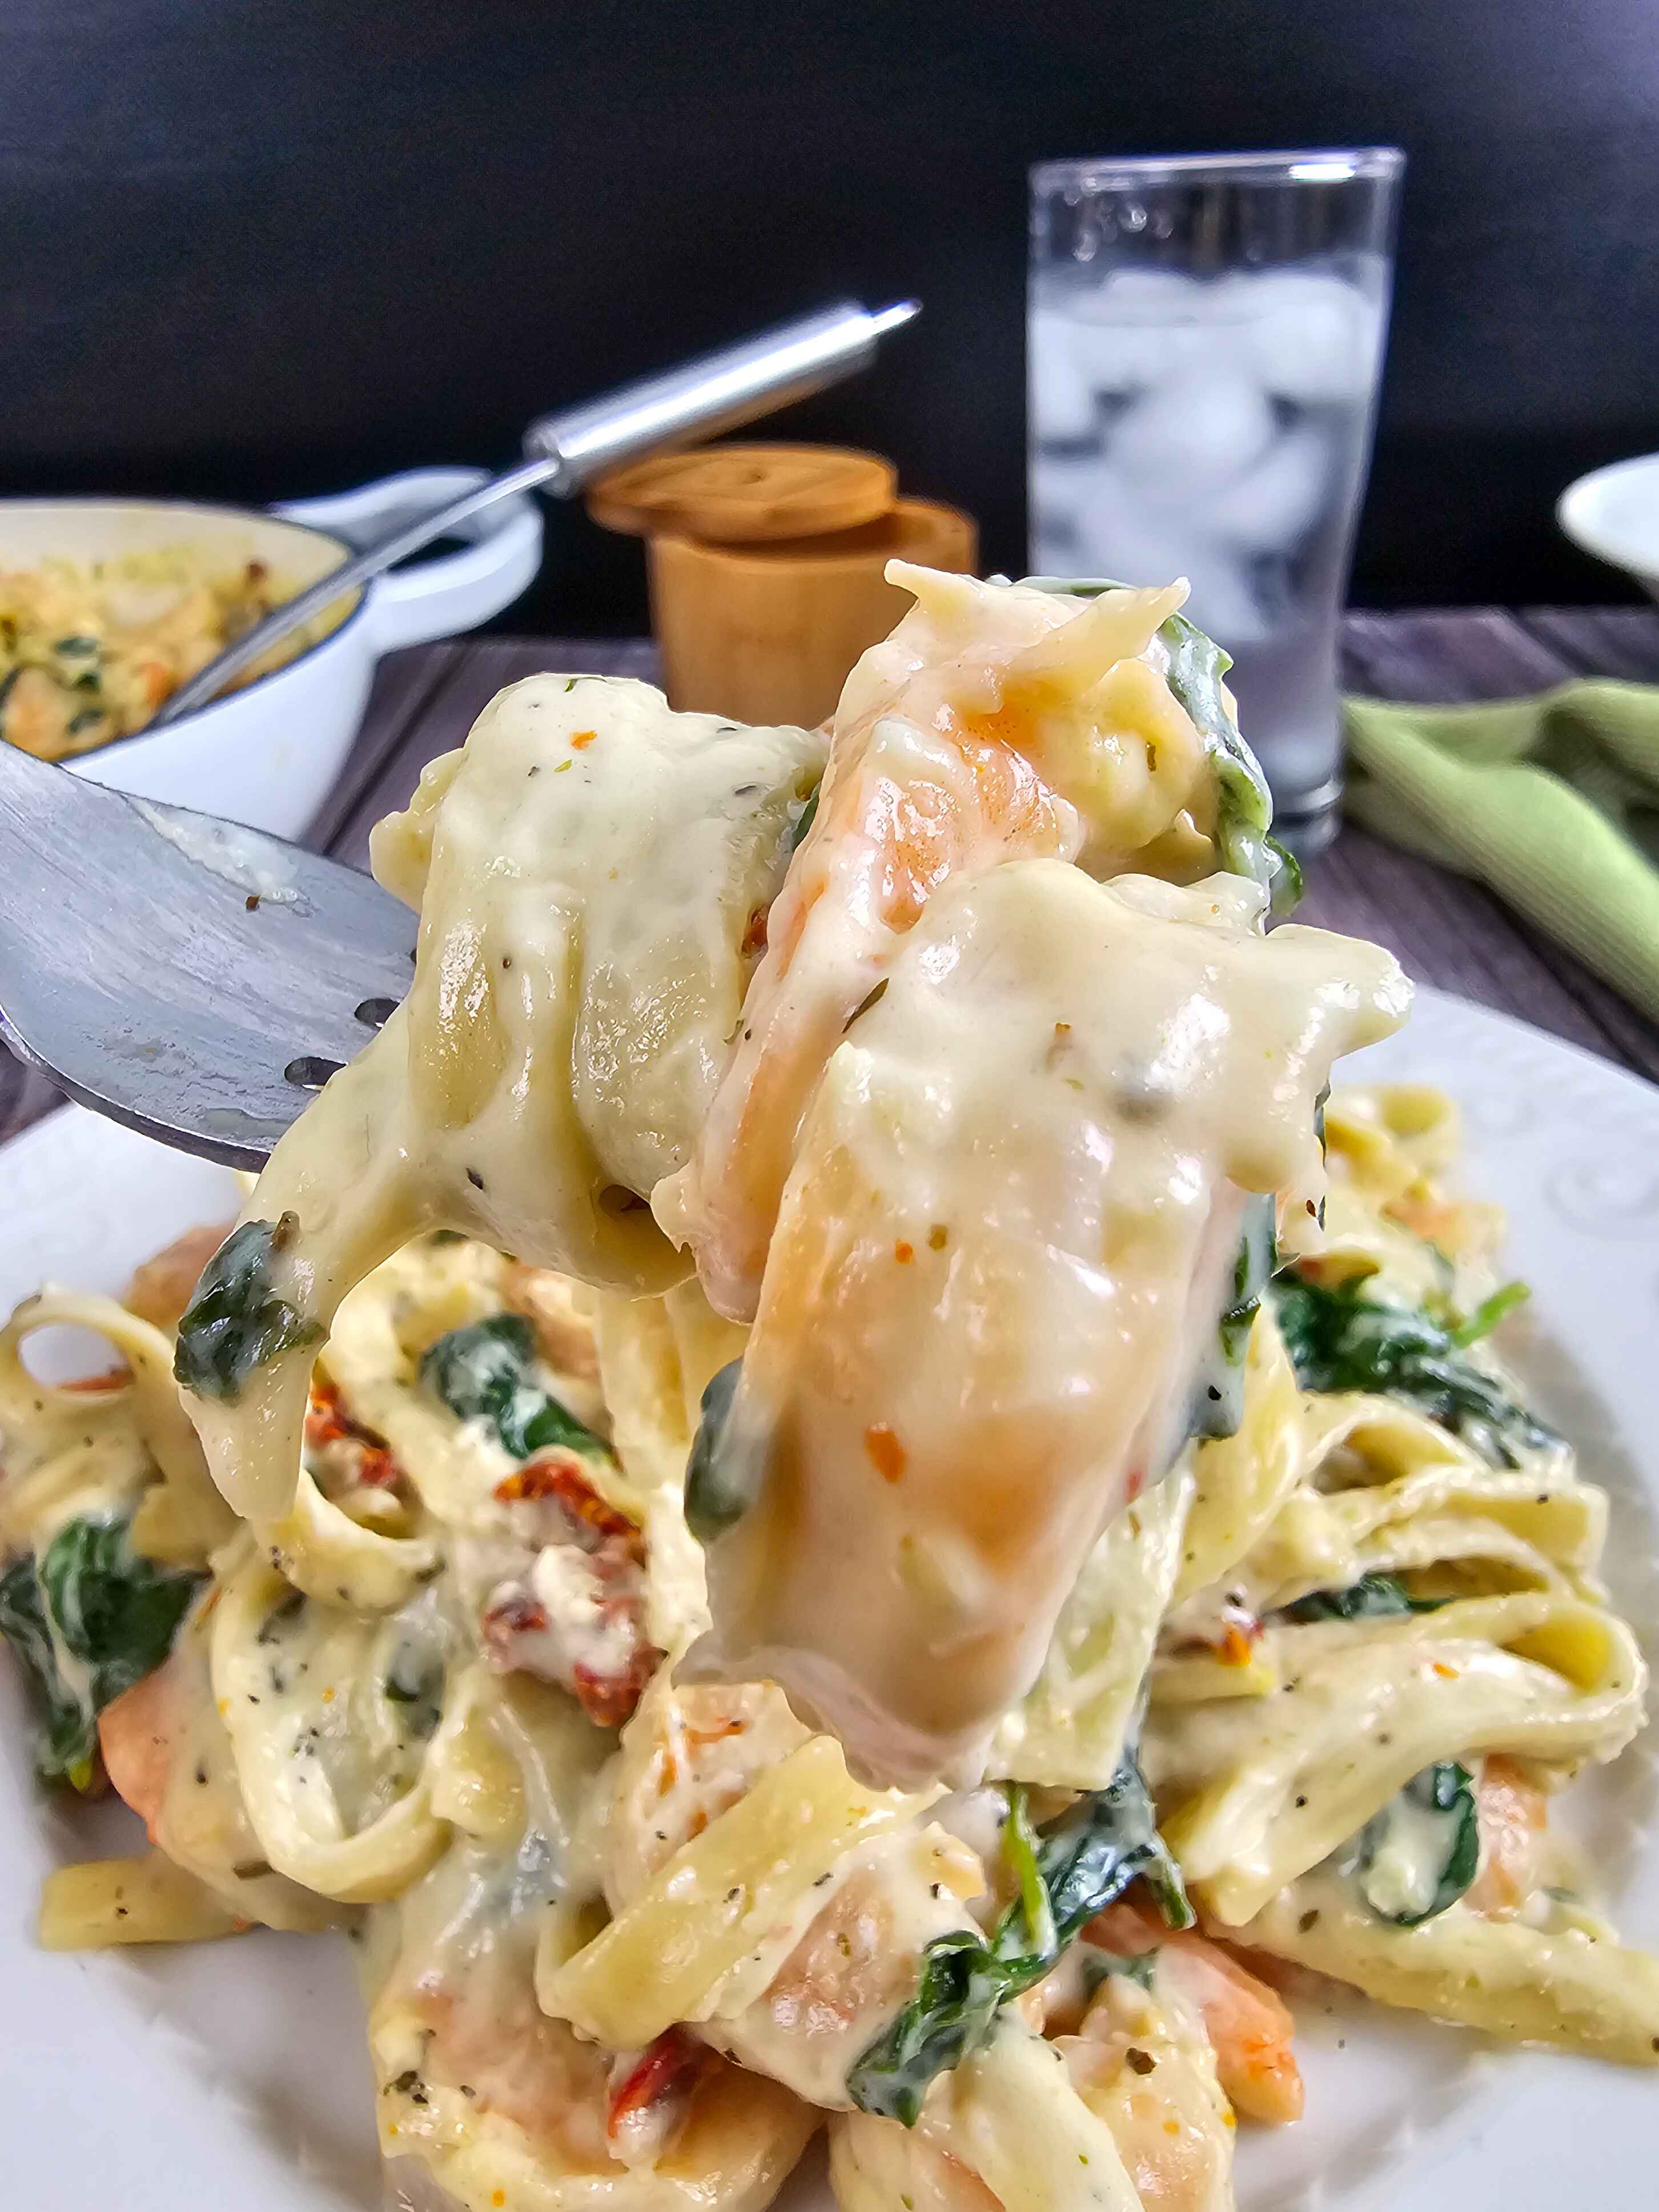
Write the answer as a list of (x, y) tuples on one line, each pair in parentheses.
[(268, 753), (1613, 513), (235, 2073)]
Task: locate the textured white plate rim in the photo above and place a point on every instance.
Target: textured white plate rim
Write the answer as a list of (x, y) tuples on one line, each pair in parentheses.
[(156, 2074)]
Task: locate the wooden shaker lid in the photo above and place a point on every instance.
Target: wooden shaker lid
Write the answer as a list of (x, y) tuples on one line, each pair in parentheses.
[(741, 494)]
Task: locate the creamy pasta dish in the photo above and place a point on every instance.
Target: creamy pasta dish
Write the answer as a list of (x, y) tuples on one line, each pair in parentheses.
[(88, 650), (834, 1489)]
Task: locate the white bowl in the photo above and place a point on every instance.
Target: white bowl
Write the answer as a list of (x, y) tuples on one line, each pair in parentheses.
[(267, 755), (1614, 514)]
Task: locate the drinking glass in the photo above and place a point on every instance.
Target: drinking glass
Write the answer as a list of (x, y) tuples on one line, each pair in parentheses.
[(1206, 341)]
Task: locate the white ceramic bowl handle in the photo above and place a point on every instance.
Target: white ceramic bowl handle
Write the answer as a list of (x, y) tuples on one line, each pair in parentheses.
[(436, 598)]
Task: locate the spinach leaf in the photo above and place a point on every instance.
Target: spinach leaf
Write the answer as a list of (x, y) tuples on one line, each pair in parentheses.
[(1217, 1405), (1371, 1596), (717, 1488), (1338, 1340), (104, 1604), (481, 1373), (1137, 1966), (66, 1741), (1435, 1836), (1067, 1873), (809, 815), (1244, 811), (236, 1321)]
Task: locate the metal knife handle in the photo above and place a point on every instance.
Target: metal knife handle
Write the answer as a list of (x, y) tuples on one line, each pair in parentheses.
[(715, 393), (567, 450)]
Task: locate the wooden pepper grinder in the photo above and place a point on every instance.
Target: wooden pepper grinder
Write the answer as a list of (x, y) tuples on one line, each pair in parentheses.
[(765, 566)]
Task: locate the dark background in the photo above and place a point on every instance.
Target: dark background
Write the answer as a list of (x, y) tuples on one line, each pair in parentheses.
[(251, 248)]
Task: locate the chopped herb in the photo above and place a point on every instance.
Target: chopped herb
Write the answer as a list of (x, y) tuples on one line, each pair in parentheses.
[(1067, 1874), (92, 1597), (237, 1321), (285, 1610), (1218, 1404), (482, 1374), (1338, 1340)]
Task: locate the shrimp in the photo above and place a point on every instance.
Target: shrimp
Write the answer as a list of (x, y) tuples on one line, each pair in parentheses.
[(137, 1734), (948, 754), (992, 1299), (1142, 2063), (162, 1289), (1249, 2026), (1512, 1813)]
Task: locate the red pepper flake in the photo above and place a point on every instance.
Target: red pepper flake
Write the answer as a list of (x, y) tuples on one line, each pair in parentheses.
[(904, 1252), (1235, 1646), (582, 740), (1135, 1485), (887, 1454)]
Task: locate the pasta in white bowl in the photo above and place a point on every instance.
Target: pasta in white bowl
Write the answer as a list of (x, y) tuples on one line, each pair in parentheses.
[(1042, 1727)]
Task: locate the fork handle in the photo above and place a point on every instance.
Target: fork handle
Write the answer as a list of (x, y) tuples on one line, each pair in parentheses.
[(703, 398)]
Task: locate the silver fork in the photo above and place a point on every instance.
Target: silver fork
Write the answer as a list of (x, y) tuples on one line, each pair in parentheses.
[(198, 981)]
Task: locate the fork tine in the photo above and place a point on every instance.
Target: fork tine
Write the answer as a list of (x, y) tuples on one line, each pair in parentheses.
[(169, 970)]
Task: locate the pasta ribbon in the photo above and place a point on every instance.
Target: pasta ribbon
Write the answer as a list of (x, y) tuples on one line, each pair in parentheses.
[(1253, 1792), (644, 1386), (280, 1736), (1569, 1988), (1070, 1730), (105, 1902), (79, 1449), (720, 1896)]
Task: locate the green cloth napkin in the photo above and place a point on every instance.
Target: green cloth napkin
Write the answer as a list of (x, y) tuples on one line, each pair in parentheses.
[(1553, 801)]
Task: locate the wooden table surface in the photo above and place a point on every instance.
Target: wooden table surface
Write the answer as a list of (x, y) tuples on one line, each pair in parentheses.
[(1444, 930)]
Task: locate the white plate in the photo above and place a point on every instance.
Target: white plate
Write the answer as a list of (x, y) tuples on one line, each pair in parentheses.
[(234, 2074), (1613, 513)]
